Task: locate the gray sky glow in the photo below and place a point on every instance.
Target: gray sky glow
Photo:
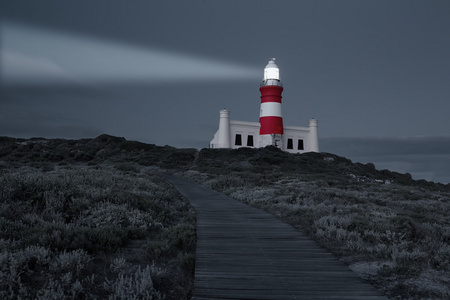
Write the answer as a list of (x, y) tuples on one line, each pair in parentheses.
[(375, 74)]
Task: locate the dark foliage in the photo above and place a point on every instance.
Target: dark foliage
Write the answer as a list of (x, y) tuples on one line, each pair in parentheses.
[(102, 149), (335, 200)]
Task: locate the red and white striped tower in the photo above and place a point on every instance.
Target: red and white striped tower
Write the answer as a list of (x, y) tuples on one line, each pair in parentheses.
[(270, 119)]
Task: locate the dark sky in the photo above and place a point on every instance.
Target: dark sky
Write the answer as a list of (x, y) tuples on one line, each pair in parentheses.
[(376, 74)]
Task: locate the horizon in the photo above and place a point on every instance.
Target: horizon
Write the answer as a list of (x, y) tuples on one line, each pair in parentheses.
[(384, 166)]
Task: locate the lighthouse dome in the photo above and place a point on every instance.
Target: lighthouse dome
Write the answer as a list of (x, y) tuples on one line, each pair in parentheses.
[(271, 64)]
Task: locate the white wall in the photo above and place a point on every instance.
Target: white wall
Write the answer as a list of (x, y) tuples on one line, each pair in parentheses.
[(246, 129), (296, 134)]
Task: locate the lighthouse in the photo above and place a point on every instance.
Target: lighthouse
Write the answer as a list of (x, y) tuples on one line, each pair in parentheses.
[(270, 130), (270, 119)]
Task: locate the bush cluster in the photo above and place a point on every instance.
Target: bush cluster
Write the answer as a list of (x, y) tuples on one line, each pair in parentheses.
[(71, 231), (394, 234), (85, 232), (102, 149)]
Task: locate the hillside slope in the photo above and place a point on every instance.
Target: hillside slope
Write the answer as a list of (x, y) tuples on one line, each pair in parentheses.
[(391, 229), (102, 149)]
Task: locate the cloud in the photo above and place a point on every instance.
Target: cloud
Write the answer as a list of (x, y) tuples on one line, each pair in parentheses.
[(32, 55), (424, 157)]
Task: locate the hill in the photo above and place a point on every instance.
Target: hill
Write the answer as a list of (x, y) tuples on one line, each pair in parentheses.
[(102, 149), (392, 230), (80, 220), (389, 228), (109, 149)]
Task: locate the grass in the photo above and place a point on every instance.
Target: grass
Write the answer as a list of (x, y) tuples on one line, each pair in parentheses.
[(89, 219), (90, 232), (391, 231)]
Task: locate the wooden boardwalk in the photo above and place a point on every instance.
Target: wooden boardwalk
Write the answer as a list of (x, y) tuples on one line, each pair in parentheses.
[(246, 253)]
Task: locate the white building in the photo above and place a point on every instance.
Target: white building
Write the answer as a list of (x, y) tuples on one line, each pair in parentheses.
[(270, 129)]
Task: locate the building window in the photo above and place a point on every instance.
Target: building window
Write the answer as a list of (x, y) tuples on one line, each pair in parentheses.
[(290, 144), (300, 145), (238, 140), (250, 141)]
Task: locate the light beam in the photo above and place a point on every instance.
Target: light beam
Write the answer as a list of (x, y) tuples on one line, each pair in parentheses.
[(31, 55)]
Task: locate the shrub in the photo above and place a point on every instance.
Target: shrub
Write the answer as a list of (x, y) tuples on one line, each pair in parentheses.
[(57, 227), (347, 208), (137, 285)]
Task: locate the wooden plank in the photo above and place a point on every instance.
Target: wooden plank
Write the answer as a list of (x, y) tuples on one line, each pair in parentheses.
[(246, 253)]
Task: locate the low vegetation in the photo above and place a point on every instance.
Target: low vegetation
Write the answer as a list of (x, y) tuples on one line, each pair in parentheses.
[(79, 232), (90, 219), (391, 230)]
